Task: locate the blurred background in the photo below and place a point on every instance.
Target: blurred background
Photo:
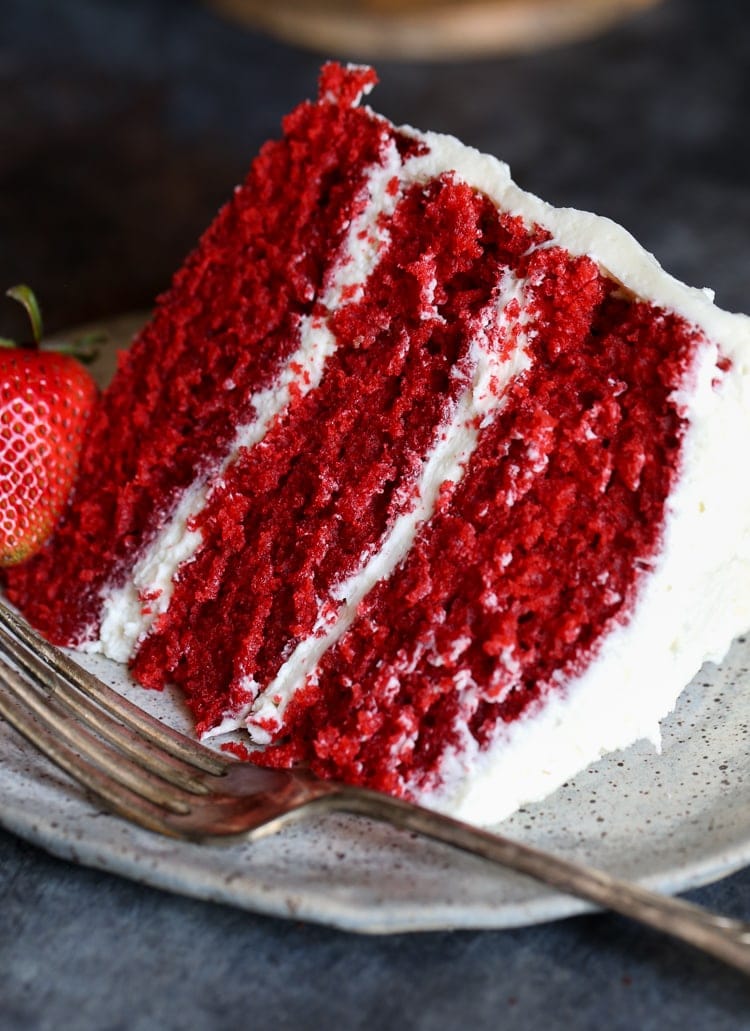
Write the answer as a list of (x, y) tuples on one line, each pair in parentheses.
[(124, 125)]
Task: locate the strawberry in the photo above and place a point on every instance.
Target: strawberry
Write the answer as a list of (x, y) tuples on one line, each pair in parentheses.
[(45, 400)]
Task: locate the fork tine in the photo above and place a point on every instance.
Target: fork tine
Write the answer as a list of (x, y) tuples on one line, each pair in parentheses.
[(124, 738), (75, 735), (159, 734), (112, 794)]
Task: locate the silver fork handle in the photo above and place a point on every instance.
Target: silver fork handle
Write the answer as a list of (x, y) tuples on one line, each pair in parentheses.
[(722, 937)]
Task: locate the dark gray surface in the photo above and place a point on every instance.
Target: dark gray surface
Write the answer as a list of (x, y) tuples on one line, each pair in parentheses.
[(122, 127)]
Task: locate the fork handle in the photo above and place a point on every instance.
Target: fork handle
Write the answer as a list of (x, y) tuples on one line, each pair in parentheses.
[(722, 937)]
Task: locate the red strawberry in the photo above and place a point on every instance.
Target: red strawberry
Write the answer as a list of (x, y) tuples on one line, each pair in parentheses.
[(45, 400)]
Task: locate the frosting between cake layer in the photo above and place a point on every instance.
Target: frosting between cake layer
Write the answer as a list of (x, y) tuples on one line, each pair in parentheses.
[(445, 464), (129, 609)]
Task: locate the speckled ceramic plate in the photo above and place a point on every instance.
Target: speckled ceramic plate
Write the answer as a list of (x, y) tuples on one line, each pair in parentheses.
[(671, 820)]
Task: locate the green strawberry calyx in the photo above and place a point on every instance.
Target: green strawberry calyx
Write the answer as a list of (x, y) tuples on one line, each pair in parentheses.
[(84, 348)]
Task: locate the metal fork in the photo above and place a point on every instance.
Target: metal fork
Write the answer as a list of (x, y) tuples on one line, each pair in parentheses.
[(153, 776)]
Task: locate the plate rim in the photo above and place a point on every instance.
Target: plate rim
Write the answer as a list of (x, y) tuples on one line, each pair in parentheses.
[(546, 906)]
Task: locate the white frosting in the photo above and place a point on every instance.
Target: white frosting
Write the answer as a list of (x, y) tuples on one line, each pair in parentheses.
[(445, 463), (696, 599)]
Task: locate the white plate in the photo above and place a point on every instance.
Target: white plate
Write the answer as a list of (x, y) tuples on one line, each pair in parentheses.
[(672, 820)]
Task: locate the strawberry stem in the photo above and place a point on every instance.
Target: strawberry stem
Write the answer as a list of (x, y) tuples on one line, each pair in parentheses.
[(85, 348), (25, 296)]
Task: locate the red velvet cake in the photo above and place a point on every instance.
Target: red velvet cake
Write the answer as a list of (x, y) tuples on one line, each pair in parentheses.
[(419, 480)]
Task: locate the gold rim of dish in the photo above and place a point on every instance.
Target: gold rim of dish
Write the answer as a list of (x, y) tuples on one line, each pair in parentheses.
[(424, 29)]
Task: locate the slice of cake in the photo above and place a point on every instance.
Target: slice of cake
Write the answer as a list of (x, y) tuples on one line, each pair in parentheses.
[(423, 482)]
